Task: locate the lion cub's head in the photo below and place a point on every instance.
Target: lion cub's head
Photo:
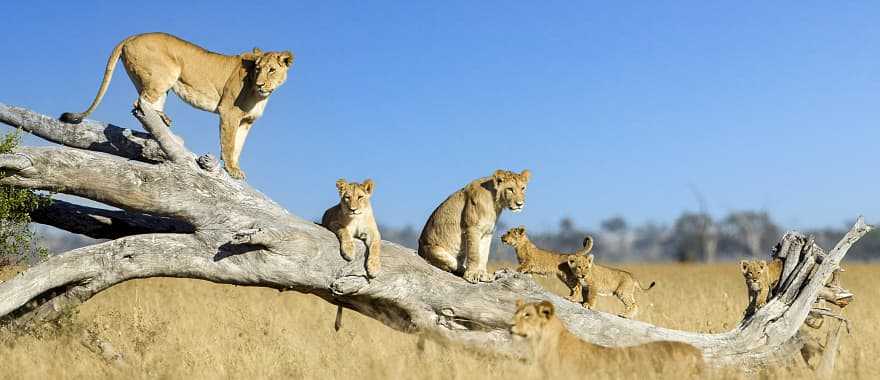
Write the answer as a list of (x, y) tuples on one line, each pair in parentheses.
[(753, 271), (531, 319), (270, 69), (581, 265), (354, 197), (510, 188), (515, 236)]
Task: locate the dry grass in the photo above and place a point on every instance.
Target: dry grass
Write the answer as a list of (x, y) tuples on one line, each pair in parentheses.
[(173, 328)]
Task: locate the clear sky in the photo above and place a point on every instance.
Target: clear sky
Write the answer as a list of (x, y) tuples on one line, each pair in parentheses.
[(616, 109)]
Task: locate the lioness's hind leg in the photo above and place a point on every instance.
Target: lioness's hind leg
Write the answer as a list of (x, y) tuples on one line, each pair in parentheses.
[(442, 259)]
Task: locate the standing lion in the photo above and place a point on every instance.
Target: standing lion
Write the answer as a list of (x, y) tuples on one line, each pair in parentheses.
[(458, 235), (236, 87)]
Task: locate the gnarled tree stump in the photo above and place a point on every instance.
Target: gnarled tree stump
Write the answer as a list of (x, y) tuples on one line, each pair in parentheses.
[(185, 217)]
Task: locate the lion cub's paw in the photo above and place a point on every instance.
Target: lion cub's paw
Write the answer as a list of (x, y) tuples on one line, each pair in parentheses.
[(373, 267), (478, 276)]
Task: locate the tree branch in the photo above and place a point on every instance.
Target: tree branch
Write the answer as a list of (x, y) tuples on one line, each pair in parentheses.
[(91, 135), (170, 143), (104, 224)]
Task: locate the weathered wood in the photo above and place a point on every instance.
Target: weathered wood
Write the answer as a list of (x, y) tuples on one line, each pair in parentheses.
[(241, 237), (101, 223)]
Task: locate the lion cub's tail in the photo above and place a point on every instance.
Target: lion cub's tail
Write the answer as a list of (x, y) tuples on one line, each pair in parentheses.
[(588, 245), (649, 286), (76, 118)]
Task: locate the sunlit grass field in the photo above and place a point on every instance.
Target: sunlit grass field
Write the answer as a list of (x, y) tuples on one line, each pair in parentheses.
[(175, 328)]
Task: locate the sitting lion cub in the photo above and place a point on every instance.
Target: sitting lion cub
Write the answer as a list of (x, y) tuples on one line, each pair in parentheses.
[(353, 219), (237, 87), (606, 281), (761, 278), (552, 345), (540, 261)]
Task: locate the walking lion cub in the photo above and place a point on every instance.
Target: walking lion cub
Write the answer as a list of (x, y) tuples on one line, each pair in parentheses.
[(761, 278), (544, 262), (353, 219), (606, 281)]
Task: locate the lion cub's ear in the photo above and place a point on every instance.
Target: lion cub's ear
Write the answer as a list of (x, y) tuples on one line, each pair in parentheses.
[(744, 266), (589, 259), (287, 58), (526, 175), (257, 51), (498, 177), (546, 309), (368, 186), (341, 185), (520, 303), (521, 229)]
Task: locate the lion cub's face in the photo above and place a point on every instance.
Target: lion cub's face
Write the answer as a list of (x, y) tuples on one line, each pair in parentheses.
[(354, 197), (753, 271), (514, 236), (510, 188), (531, 318), (580, 265), (270, 69)]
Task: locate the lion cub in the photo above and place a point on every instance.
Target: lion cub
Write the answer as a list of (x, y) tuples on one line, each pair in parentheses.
[(761, 278), (353, 219), (552, 345), (540, 261), (606, 281)]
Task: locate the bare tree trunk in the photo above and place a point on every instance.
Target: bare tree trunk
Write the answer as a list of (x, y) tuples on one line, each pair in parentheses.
[(183, 219)]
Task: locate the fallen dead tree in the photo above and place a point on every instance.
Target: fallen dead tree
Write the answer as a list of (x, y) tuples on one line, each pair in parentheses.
[(183, 216)]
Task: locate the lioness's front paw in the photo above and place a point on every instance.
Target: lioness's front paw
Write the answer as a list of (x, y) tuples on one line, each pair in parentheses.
[(235, 172), (346, 249), (486, 277), (572, 299), (372, 268), (471, 276)]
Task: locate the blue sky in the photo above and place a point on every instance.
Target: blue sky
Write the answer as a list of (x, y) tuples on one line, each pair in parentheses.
[(617, 109)]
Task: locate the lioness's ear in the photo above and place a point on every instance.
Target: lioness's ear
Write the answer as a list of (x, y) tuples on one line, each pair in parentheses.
[(498, 177), (520, 303), (257, 51), (745, 265), (368, 186), (287, 58), (341, 185), (526, 175), (590, 259), (546, 309)]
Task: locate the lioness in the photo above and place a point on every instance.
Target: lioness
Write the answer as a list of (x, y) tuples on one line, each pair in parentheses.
[(236, 87), (606, 281), (540, 261), (761, 278), (458, 235), (553, 346), (353, 219)]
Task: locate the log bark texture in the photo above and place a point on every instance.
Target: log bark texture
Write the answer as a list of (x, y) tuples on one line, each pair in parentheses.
[(178, 219)]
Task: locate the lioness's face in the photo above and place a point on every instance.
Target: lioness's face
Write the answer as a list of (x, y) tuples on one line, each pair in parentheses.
[(514, 236), (354, 197), (580, 265), (510, 188), (752, 271), (530, 319), (270, 70)]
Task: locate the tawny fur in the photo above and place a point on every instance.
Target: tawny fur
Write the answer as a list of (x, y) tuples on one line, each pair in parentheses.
[(761, 278), (353, 219), (545, 262), (235, 87), (458, 235), (552, 346), (605, 281)]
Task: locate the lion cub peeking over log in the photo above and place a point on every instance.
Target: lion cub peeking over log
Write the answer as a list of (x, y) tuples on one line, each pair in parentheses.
[(458, 235), (543, 262), (353, 219), (236, 87), (761, 278), (606, 281), (553, 346)]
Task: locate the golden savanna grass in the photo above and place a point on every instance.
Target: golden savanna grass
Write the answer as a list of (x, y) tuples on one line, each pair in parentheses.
[(176, 328)]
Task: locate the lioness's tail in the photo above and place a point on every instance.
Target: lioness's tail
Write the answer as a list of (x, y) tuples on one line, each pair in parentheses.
[(588, 245), (649, 286), (76, 118)]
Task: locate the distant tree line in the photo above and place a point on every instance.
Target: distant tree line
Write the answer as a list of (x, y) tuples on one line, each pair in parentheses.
[(692, 237)]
